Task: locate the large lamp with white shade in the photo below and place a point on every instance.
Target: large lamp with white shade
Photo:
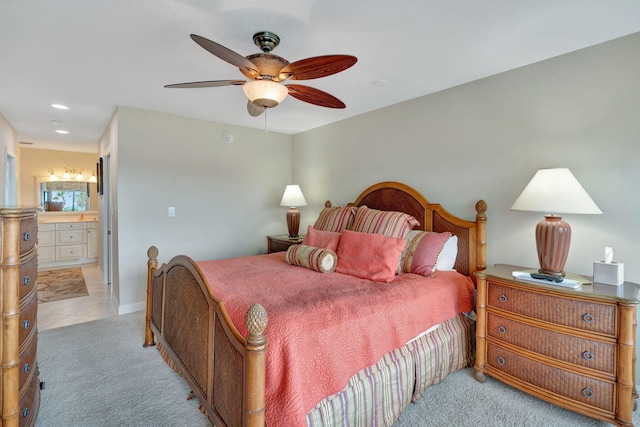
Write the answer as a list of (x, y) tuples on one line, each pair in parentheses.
[(554, 191)]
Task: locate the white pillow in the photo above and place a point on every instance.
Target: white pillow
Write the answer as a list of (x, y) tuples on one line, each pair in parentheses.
[(447, 257)]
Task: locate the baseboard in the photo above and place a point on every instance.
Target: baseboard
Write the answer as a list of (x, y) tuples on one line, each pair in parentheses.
[(129, 308)]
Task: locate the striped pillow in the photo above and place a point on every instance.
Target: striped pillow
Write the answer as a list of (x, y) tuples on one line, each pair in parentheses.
[(335, 218), (422, 252), (387, 223), (317, 259)]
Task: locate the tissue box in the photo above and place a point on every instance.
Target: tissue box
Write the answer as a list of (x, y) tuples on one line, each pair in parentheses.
[(608, 273)]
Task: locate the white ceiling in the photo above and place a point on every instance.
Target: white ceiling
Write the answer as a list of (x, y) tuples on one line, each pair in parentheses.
[(96, 55)]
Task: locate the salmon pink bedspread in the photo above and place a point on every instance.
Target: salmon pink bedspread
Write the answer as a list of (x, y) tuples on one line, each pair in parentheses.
[(324, 328)]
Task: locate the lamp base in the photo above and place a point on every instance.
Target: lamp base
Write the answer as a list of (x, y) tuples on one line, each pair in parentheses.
[(293, 222), (553, 236)]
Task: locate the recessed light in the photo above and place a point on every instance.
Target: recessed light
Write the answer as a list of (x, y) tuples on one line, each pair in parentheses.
[(60, 106), (56, 122), (381, 82), (62, 131)]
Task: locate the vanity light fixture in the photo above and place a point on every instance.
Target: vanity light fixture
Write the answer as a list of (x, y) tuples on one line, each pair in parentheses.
[(69, 174)]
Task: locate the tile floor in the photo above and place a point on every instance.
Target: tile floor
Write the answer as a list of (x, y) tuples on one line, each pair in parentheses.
[(96, 305)]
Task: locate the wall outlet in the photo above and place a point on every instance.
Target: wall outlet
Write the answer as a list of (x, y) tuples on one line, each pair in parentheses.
[(172, 211)]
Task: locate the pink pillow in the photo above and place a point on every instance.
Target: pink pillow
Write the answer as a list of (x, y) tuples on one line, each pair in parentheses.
[(387, 223), (369, 256), (422, 252), (321, 239)]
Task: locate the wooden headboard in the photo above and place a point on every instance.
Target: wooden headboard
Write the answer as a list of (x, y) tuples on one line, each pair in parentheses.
[(472, 245)]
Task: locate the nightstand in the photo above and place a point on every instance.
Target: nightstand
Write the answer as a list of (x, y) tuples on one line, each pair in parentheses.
[(571, 347), (282, 242)]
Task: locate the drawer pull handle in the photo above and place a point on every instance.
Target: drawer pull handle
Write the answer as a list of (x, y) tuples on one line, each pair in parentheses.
[(26, 368), (27, 236), (587, 392), (26, 324), (587, 317), (502, 330), (501, 360), (503, 298), (25, 412), (587, 355), (26, 279)]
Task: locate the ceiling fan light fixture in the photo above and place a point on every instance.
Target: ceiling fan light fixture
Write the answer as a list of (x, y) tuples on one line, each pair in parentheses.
[(265, 93)]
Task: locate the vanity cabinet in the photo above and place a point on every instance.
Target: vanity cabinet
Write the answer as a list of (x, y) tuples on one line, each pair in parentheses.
[(92, 239), (67, 243), (46, 243)]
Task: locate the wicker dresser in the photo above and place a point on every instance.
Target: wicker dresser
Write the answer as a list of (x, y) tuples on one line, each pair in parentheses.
[(20, 385), (571, 347)]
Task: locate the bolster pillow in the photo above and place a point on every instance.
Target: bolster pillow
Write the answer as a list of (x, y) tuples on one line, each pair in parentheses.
[(319, 259)]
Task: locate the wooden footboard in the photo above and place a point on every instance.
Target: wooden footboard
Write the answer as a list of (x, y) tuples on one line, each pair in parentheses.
[(204, 346)]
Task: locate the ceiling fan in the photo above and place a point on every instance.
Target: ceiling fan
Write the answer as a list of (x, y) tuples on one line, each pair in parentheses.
[(266, 71)]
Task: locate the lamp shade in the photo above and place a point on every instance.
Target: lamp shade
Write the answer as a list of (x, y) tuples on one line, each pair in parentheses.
[(293, 196), (265, 93), (555, 191)]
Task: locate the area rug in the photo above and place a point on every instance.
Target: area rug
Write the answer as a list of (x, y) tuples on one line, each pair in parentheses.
[(55, 285)]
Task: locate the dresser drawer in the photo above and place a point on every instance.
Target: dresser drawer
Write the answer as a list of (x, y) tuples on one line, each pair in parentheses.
[(28, 360), (70, 236), (28, 234), (586, 315), (28, 276), (584, 352), (28, 317), (30, 403), (583, 389)]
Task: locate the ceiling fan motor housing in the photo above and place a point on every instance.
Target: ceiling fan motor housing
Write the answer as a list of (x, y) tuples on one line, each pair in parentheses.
[(266, 40)]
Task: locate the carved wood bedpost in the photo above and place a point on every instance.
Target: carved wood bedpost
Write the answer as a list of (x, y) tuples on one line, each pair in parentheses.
[(152, 253), (481, 236), (256, 321)]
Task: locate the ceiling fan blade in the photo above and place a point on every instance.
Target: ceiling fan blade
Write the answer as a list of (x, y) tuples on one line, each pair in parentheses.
[(253, 109), (225, 54), (317, 66), (314, 96), (211, 83)]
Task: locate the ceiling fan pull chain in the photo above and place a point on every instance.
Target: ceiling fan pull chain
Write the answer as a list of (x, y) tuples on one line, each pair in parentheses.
[(265, 120)]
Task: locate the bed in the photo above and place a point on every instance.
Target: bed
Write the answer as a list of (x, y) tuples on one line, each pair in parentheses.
[(252, 360)]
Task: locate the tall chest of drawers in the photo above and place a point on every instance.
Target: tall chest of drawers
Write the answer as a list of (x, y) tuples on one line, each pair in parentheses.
[(571, 347), (19, 383)]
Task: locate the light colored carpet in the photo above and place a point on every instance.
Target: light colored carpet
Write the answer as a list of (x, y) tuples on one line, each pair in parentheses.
[(55, 285), (98, 374)]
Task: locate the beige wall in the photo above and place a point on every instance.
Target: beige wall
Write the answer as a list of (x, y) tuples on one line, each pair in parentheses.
[(35, 163), (8, 143), (487, 138), (226, 196)]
